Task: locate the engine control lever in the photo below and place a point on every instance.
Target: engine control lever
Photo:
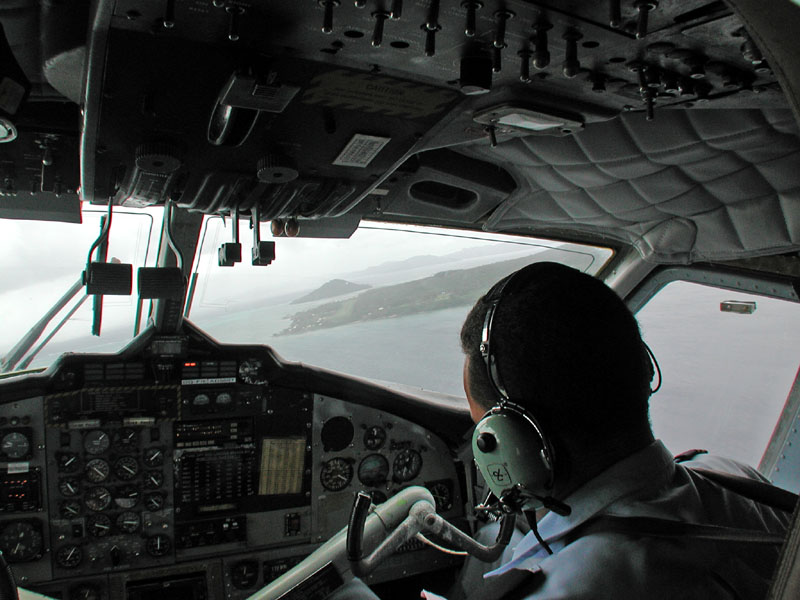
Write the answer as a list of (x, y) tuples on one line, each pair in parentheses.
[(421, 518)]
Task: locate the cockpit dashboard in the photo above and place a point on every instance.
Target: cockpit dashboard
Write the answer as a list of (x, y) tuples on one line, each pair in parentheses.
[(183, 468)]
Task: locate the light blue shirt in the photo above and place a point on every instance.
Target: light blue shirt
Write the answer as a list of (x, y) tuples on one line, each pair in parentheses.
[(606, 564)]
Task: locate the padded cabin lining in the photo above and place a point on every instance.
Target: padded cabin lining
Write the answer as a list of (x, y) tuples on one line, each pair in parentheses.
[(691, 185)]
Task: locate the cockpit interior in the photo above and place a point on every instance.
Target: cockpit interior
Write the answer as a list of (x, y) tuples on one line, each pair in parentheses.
[(653, 144)]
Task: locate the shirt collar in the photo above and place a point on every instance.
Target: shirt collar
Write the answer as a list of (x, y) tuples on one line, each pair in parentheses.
[(649, 468)]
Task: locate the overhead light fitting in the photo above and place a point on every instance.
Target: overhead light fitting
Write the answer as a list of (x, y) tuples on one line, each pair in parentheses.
[(527, 120)]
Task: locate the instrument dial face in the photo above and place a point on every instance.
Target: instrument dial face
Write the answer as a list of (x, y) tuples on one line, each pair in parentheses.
[(374, 437), (154, 457), (126, 468), (69, 487), (336, 474), (442, 496), (373, 470), (154, 502), (69, 557), (96, 442), (69, 509), (97, 499), (224, 399), (21, 541), (126, 497), (84, 592), (67, 462), (15, 445), (126, 439), (201, 400), (97, 470), (251, 371), (407, 465), (244, 574), (158, 545), (153, 480), (128, 522), (98, 525)]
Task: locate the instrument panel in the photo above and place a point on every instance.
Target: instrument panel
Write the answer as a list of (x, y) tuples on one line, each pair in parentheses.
[(196, 475)]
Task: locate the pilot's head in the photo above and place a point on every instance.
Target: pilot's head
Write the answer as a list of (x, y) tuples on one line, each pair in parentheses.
[(569, 351)]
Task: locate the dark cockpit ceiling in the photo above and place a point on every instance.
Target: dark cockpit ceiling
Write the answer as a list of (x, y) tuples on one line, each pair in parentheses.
[(673, 135)]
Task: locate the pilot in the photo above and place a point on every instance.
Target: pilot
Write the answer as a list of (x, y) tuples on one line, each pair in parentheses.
[(558, 381)]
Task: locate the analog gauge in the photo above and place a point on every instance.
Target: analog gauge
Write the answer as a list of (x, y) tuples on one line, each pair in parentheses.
[(69, 487), (69, 557), (201, 400), (15, 445), (128, 522), (442, 495), (377, 496), (154, 457), (158, 545), (250, 371), (336, 474), (126, 468), (126, 497), (67, 461), (126, 439), (407, 465), (97, 499), (84, 592), (98, 525), (154, 502), (374, 437), (21, 541), (69, 509), (153, 480), (224, 399), (244, 574), (373, 470), (97, 470), (96, 442)]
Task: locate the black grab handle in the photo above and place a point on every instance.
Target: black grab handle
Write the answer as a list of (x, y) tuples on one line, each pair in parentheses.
[(355, 530)]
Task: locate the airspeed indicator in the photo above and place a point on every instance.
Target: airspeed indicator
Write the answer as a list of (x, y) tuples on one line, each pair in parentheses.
[(336, 474), (407, 465)]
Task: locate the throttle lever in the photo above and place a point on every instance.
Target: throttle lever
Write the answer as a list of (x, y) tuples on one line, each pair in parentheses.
[(355, 528)]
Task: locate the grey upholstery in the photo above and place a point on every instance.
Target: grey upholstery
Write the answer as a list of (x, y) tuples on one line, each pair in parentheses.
[(692, 185)]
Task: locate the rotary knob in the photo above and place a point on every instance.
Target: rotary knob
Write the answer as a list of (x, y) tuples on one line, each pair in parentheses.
[(158, 158), (274, 168)]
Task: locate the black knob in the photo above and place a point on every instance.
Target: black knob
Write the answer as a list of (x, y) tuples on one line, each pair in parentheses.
[(116, 556), (430, 39), (397, 9), (500, 35), (541, 54), (486, 442), (168, 22), (377, 33), (614, 13), (497, 59), (598, 82), (234, 13), (571, 65), (525, 65), (644, 7), (472, 7), (327, 19)]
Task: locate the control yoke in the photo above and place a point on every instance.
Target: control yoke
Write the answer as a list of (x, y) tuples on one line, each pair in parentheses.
[(385, 527)]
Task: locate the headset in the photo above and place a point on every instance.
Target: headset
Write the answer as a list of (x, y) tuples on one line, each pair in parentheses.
[(510, 448)]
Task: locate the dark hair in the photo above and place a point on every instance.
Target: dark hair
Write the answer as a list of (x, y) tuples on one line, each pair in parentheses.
[(567, 349)]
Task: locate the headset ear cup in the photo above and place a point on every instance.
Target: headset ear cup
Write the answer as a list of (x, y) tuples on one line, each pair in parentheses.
[(510, 452)]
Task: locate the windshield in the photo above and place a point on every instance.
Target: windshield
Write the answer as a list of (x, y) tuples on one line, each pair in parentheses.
[(386, 304), (43, 260)]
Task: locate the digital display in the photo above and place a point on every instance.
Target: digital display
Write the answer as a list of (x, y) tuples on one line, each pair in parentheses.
[(282, 466)]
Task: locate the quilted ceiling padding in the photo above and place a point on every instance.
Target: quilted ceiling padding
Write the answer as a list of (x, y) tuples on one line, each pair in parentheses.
[(691, 185)]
